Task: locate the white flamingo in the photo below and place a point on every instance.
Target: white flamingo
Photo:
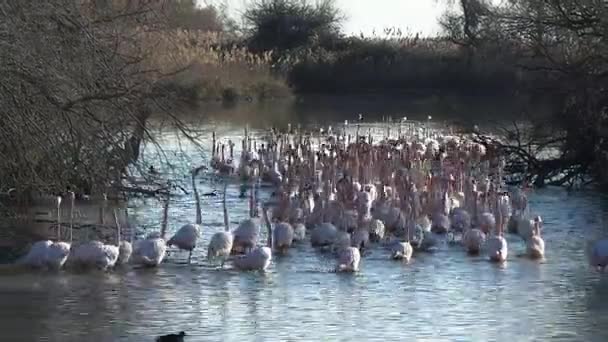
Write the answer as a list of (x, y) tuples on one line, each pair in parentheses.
[(348, 260), (259, 258), (487, 222), (95, 254), (376, 230), (519, 201), (282, 237), (110, 253), (535, 245), (58, 252), (497, 244), (474, 238), (343, 241), (360, 238), (125, 248), (525, 228), (151, 251), (247, 233), (185, 238), (402, 251), (220, 244), (299, 232), (324, 235), (441, 221), (38, 255), (461, 220)]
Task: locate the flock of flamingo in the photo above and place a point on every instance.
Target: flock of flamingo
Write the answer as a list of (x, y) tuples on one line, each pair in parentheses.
[(343, 194)]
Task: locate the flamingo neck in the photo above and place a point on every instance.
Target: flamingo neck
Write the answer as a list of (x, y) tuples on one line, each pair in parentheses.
[(163, 229), (268, 226), (71, 218), (58, 220), (226, 220), (197, 201), (118, 230)]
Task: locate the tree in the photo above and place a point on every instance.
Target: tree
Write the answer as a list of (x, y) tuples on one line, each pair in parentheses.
[(566, 45), (288, 24), (464, 28), (77, 91)]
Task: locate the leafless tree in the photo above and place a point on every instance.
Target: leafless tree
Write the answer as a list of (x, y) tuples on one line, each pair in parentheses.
[(564, 45), (77, 91)]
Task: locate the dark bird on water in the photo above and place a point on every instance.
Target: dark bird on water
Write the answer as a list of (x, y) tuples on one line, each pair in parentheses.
[(172, 337)]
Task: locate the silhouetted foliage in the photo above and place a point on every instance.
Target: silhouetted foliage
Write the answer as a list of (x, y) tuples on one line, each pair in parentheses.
[(401, 65), (565, 46), (288, 24)]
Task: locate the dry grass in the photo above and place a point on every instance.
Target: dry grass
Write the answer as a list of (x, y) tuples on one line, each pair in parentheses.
[(214, 71)]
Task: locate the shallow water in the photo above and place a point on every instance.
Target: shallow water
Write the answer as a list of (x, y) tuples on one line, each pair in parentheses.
[(444, 296)]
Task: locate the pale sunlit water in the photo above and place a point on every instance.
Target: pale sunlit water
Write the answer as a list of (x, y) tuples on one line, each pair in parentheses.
[(445, 296)]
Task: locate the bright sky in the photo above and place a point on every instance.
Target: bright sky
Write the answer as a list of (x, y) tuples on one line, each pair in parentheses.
[(413, 16)]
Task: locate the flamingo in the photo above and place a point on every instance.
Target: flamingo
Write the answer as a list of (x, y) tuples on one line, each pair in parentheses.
[(299, 232), (343, 241), (474, 238), (95, 254), (125, 248), (525, 228), (519, 202), (324, 235), (38, 255), (220, 244), (57, 253), (151, 251), (376, 230), (497, 244), (282, 237), (461, 220), (441, 221), (402, 251), (246, 234), (187, 235), (260, 257), (348, 260), (360, 238), (110, 253), (535, 246)]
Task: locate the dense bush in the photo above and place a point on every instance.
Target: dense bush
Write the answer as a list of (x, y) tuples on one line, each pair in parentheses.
[(400, 65)]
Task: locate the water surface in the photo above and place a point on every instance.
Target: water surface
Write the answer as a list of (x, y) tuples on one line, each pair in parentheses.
[(444, 296)]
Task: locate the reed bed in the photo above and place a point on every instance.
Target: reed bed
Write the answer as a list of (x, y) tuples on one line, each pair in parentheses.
[(211, 68)]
